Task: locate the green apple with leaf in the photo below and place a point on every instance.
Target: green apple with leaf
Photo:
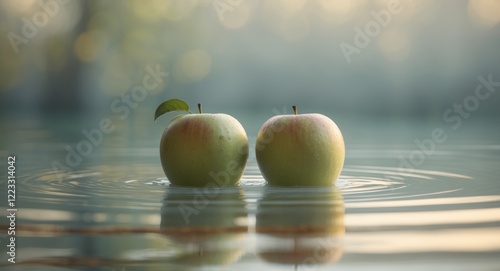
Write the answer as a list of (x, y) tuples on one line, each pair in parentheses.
[(300, 150), (202, 149)]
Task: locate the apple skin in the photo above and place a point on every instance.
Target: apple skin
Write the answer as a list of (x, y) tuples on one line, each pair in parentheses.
[(300, 150), (200, 149)]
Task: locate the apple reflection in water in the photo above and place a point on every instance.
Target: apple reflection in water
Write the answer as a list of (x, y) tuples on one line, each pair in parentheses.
[(208, 227), (300, 226)]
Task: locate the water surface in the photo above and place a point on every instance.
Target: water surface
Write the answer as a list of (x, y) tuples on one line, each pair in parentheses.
[(117, 211)]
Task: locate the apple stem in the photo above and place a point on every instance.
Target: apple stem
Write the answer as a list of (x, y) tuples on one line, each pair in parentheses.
[(294, 109), (199, 107)]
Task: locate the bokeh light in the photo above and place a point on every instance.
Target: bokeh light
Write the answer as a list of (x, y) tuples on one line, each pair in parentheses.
[(484, 12), (340, 11), (233, 14), (193, 66), (90, 45), (16, 7), (395, 44)]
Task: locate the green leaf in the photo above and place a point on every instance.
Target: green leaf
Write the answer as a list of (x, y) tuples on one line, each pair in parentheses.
[(171, 106)]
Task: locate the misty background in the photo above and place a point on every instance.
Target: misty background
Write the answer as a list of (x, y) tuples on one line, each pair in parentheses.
[(81, 55)]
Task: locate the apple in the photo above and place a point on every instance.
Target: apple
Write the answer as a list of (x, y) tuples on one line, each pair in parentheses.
[(202, 149), (300, 150)]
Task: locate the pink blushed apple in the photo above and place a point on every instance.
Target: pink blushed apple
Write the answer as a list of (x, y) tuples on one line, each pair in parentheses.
[(300, 150), (202, 149)]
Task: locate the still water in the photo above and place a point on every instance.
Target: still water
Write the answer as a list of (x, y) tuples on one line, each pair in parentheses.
[(117, 211)]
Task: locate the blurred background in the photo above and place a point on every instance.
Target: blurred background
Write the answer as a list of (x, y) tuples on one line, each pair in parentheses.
[(79, 56)]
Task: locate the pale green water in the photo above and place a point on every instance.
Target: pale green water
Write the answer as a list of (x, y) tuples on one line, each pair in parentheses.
[(116, 211)]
